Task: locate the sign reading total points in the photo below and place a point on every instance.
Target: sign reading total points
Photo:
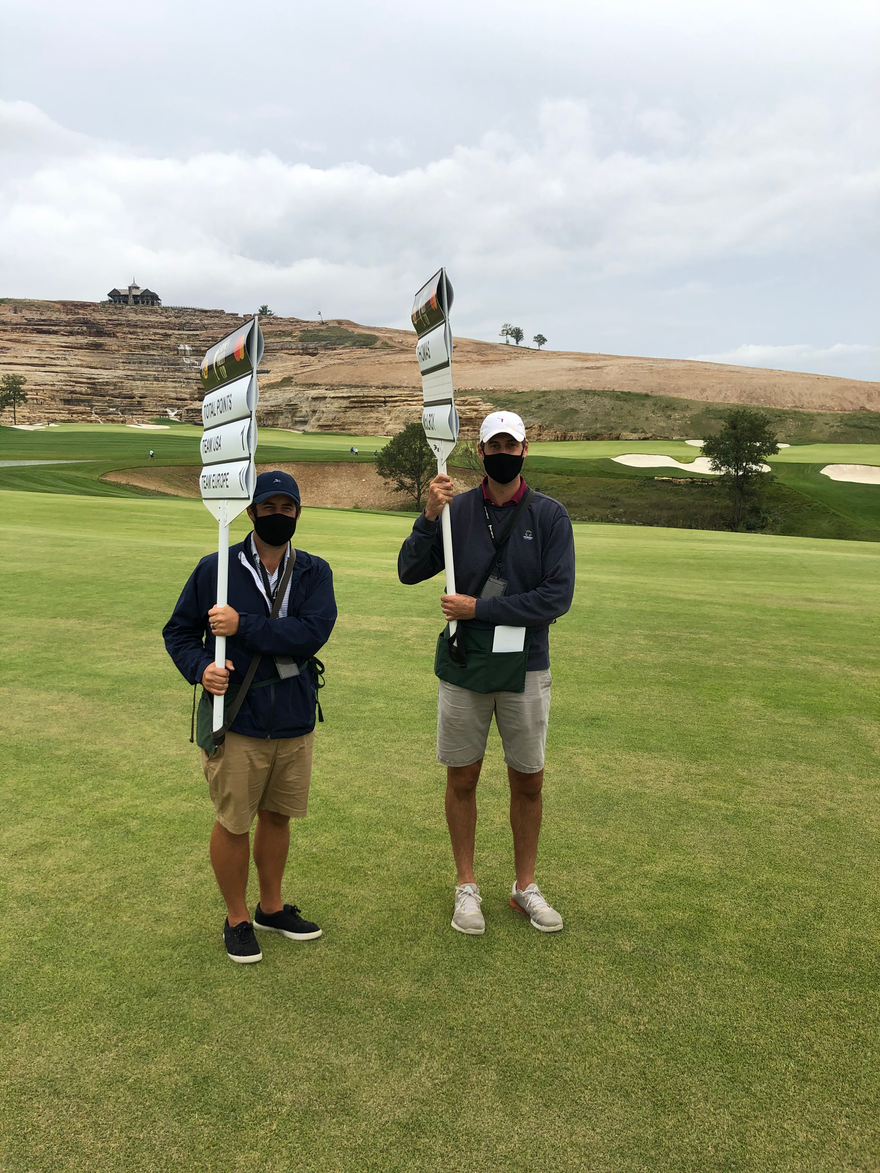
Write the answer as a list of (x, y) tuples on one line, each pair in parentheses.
[(229, 440)]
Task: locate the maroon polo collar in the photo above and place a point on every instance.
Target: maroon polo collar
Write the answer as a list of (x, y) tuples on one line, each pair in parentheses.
[(514, 500)]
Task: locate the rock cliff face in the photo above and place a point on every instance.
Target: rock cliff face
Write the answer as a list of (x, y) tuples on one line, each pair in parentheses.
[(87, 360)]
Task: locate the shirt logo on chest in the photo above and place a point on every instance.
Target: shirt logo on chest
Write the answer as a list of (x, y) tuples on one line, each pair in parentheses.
[(528, 535)]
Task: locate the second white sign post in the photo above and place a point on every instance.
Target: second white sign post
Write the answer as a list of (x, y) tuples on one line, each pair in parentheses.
[(430, 316), (228, 445)]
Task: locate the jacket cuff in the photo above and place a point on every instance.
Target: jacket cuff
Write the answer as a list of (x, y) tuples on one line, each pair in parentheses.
[(424, 525), (481, 610)]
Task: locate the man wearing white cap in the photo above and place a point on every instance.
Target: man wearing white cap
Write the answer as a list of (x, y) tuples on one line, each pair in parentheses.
[(514, 567)]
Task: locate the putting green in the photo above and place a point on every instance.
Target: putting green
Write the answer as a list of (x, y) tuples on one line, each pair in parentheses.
[(711, 829)]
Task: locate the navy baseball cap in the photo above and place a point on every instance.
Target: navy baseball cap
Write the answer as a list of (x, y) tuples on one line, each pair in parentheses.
[(270, 483)]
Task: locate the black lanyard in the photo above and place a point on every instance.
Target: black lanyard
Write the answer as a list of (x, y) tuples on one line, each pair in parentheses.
[(495, 542), (264, 574)]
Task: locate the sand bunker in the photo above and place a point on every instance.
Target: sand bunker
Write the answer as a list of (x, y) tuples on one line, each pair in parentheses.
[(700, 443), (859, 474), (651, 460), (151, 427)]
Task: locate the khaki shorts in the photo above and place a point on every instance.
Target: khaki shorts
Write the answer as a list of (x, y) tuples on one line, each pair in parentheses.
[(464, 717), (247, 774)]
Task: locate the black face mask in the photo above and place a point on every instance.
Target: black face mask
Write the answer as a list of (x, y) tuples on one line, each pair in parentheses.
[(503, 467), (275, 529)]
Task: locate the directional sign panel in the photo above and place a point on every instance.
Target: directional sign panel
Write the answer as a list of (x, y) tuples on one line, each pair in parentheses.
[(230, 482), (233, 356), (231, 401), (440, 422), (229, 442)]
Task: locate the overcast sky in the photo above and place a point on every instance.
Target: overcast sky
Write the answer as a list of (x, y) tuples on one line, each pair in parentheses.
[(692, 178)]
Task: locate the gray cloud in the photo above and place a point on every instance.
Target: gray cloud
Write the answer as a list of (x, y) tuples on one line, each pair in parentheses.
[(656, 180)]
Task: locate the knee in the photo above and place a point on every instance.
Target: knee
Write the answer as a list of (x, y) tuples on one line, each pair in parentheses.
[(273, 818), (526, 786), (462, 780)]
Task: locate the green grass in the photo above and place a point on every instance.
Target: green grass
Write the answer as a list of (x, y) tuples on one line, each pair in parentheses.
[(582, 474), (600, 412), (108, 447), (710, 836)]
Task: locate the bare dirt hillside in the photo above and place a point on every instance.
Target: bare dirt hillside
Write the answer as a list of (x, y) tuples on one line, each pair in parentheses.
[(333, 486), (87, 360)]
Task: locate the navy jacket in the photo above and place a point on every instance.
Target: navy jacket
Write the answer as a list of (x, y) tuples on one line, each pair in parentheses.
[(287, 707), (538, 563)]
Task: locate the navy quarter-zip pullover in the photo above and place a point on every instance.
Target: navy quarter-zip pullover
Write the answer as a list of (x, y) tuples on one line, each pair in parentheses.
[(538, 563)]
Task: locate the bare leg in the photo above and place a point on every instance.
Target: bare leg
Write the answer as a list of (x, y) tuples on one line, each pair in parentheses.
[(271, 844), (461, 816), (229, 859), (526, 808)]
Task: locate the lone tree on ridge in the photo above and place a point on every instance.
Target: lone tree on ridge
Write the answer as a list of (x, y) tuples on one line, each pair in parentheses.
[(539, 340), (516, 334), (505, 332), (12, 393), (737, 452), (265, 312), (408, 462)]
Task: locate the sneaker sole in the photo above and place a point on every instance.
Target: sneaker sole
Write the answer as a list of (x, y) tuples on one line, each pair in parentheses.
[(468, 932), (245, 960), (534, 923), (285, 933)]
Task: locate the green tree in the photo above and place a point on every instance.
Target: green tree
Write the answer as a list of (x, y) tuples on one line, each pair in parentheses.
[(505, 332), (265, 312), (467, 456), (408, 463), (539, 340), (12, 393), (517, 334), (737, 452)]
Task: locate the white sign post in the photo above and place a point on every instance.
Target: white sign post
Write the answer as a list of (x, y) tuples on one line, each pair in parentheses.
[(229, 441), (430, 316)]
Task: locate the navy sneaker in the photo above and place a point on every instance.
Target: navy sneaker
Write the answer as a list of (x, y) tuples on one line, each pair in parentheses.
[(241, 943), (287, 922)]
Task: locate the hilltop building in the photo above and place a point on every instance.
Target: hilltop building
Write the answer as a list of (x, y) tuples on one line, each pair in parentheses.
[(134, 295)]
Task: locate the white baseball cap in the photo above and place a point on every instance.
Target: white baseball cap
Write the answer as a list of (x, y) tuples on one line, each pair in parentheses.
[(502, 421)]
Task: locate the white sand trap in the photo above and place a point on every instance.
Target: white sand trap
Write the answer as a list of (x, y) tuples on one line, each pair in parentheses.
[(859, 474), (700, 443), (151, 427), (650, 460), (27, 427)]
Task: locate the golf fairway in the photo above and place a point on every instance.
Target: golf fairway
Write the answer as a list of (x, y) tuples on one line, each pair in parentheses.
[(710, 837)]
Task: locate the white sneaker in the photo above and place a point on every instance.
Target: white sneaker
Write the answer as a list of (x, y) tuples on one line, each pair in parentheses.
[(467, 917), (533, 905)]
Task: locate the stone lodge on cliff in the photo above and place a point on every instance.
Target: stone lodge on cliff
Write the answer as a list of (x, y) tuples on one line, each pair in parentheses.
[(134, 295)]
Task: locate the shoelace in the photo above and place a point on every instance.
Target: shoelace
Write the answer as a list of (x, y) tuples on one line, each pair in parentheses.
[(464, 897), (535, 900)]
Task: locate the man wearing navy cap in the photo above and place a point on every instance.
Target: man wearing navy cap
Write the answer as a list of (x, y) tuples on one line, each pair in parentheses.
[(263, 767)]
